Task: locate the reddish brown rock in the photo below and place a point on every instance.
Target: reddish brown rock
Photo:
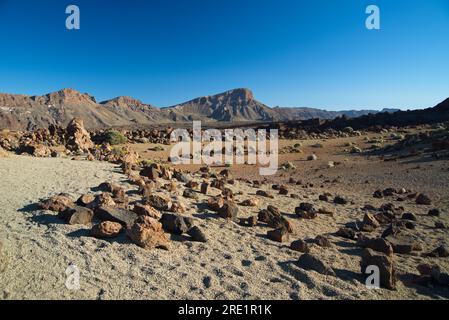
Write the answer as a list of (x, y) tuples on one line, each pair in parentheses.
[(278, 235), (265, 194), (250, 203), (310, 262), (36, 150), (215, 203), (125, 217), (57, 203), (229, 210), (369, 223), (77, 215), (102, 200), (248, 222), (376, 244), (322, 241), (159, 202), (77, 137), (85, 199), (153, 172), (300, 246), (385, 264), (147, 233), (106, 229), (147, 210)]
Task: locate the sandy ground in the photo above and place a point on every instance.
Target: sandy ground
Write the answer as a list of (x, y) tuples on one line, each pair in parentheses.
[(237, 262)]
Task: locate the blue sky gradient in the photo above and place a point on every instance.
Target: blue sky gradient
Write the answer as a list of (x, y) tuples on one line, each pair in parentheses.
[(289, 52)]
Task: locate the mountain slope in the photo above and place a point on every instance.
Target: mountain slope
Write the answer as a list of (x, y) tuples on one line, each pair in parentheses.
[(230, 106), (21, 112), (289, 114)]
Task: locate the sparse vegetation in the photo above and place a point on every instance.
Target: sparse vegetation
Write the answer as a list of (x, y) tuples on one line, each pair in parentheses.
[(114, 137)]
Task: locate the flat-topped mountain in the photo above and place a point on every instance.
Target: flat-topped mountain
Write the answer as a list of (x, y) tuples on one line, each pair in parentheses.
[(229, 106)]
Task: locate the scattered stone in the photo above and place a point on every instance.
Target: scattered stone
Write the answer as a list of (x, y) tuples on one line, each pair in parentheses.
[(147, 210), (174, 224), (106, 229), (384, 263), (327, 212), (376, 244), (277, 222), (152, 172), (307, 207), (307, 215), (393, 229), (119, 195), (229, 211), (36, 150), (77, 215), (378, 194), (283, 190), (322, 241), (197, 234), (312, 157), (300, 246), (340, 200), (85, 200), (310, 262), (423, 199), (278, 235), (265, 194), (250, 203), (435, 273), (102, 200), (369, 222), (190, 194), (389, 192), (57, 203), (434, 213), (147, 233), (440, 252), (107, 187), (403, 244), (306, 211), (192, 184), (409, 216), (346, 233), (159, 202), (289, 166), (227, 193), (178, 207), (440, 225), (215, 203), (248, 222), (125, 217), (204, 188)]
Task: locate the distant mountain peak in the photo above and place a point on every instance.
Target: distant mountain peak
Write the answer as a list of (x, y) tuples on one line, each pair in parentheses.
[(69, 92), (240, 94), (67, 95), (125, 102)]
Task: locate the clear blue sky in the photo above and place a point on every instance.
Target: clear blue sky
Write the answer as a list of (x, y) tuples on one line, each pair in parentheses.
[(289, 52)]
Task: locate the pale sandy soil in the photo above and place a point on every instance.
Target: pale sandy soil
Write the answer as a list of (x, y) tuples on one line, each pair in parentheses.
[(237, 262)]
